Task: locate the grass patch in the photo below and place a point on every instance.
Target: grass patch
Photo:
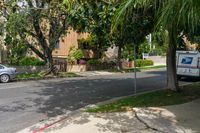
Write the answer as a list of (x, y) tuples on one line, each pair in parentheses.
[(139, 69), (152, 99), (40, 76), (152, 67), (27, 76)]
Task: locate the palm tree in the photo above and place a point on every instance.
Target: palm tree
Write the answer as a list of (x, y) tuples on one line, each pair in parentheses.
[(175, 16)]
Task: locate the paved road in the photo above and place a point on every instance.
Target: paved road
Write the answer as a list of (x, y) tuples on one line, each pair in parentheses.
[(23, 104)]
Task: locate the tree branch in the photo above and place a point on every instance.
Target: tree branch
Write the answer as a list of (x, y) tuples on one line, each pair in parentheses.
[(34, 49)]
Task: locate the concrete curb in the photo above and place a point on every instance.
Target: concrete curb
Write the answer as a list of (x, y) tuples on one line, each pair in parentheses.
[(142, 70)]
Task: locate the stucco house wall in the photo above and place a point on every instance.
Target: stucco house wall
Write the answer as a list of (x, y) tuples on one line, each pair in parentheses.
[(66, 42)]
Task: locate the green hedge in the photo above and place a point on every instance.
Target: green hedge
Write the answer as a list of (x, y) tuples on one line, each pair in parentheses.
[(142, 63), (93, 62), (31, 61)]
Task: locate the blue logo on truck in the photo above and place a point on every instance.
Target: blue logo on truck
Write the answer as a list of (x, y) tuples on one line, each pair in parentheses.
[(187, 60)]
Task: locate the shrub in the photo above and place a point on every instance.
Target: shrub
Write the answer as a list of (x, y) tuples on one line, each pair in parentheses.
[(142, 63), (109, 63), (31, 61), (93, 62), (74, 55)]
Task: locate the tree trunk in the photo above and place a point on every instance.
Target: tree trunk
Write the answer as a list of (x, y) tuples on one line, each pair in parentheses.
[(172, 82), (52, 68), (119, 63), (50, 61), (96, 53)]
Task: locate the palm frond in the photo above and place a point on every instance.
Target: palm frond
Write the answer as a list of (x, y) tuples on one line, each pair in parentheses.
[(179, 14), (127, 6), (170, 14)]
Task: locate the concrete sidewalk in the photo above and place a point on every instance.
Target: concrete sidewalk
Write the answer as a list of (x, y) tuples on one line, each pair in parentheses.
[(184, 118), (94, 73), (102, 73)]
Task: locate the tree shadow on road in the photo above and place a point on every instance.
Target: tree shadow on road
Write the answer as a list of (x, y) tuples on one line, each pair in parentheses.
[(70, 95), (62, 95)]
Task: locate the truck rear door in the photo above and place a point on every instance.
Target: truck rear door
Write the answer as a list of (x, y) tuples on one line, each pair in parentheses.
[(187, 64)]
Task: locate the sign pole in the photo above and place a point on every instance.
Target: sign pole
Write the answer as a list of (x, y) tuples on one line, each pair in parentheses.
[(135, 71)]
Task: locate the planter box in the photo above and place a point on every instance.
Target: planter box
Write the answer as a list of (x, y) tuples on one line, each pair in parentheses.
[(83, 68), (76, 68), (100, 67), (127, 64)]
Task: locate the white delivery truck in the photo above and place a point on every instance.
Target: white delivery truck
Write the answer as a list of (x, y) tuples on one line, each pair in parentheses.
[(188, 63)]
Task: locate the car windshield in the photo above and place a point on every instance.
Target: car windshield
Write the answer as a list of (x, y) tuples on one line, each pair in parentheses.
[(2, 66)]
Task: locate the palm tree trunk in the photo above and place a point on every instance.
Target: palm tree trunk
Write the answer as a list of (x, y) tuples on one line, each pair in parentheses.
[(172, 82)]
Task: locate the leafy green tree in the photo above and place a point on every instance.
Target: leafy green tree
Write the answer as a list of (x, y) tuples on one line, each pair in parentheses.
[(144, 48), (95, 19), (38, 24), (133, 28), (16, 50), (98, 18)]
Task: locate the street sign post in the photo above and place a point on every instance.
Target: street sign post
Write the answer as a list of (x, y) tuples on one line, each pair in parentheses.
[(135, 71)]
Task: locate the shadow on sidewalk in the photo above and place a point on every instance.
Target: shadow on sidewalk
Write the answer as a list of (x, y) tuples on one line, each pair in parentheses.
[(99, 123)]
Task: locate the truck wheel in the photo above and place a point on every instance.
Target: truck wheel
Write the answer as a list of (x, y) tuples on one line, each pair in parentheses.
[(4, 78), (179, 77)]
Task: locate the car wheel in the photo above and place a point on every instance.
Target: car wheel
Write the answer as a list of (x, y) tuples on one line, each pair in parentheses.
[(5, 78)]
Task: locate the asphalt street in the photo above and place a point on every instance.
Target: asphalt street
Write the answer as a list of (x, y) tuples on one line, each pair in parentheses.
[(23, 104)]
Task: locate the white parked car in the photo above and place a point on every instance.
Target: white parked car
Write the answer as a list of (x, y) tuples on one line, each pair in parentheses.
[(7, 73)]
